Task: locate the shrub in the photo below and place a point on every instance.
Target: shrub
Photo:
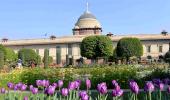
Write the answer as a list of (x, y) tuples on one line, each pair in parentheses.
[(46, 56), (28, 57), (129, 47), (1, 59), (93, 47), (167, 57), (10, 55)]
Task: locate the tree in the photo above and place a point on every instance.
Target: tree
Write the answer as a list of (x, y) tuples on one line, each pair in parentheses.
[(93, 47), (129, 47), (29, 57), (2, 48), (10, 55), (50, 60), (46, 58), (1, 59), (167, 57)]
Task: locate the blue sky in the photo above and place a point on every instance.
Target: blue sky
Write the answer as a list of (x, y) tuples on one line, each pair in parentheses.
[(24, 19)]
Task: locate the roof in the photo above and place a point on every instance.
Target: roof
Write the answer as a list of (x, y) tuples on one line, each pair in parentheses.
[(79, 38)]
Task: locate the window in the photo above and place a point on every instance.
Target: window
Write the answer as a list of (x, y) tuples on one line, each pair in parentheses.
[(148, 48), (160, 48)]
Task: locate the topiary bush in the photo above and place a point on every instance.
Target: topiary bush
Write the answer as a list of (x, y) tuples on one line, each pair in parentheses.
[(28, 57), (129, 47)]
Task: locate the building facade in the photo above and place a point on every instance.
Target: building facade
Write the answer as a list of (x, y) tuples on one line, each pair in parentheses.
[(61, 48)]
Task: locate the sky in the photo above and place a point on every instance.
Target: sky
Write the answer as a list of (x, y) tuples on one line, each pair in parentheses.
[(27, 19)]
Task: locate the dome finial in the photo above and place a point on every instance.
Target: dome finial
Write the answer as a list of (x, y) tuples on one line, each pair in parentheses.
[(87, 7)]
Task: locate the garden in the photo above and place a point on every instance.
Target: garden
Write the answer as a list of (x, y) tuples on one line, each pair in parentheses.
[(118, 81)]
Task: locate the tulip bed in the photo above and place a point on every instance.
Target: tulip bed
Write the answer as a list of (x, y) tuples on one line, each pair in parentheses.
[(44, 90)]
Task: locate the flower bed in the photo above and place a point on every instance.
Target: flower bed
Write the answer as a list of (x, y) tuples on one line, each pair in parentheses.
[(153, 90)]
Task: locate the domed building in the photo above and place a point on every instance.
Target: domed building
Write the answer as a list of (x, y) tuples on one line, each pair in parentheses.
[(87, 24)]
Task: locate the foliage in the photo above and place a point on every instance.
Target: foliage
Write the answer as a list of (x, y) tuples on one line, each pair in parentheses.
[(10, 55), (1, 59), (50, 60), (28, 57), (129, 47), (167, 57), (46, 56), (2, 48), (96, 46)]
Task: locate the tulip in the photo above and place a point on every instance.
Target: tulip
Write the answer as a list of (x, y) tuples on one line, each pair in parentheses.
[(51, 90), (25, 98), (55, 85), (45, 83), (31, 87), (88, 84), (77, 84), (114, 82), (60, 83), (23, 87), (166, 81), (85, 97), (117, 92), (34, 90), (16, 88), (161, 86), (38, 82), (3, 91), (102, 88), (149, 87), (64, 92), (71, 86), (134, 87), (81, 93), (10, 85)]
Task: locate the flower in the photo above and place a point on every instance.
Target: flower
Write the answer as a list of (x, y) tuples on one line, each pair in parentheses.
[(38, 82), (25, 98), (34, 90), (55, 85), (102, 88), (19, 85), (64, 92), (77, 84), (161, 86), (31, 87), (134, 87), (117, 92), (10, 85), (71, 86), (45, 83), (88, 83), (114, 82), (168, 90), (3, 91), (51, 90), (149, 87), (166, 81), (23, 87), (16, 87), (83, 95), (60, 83)]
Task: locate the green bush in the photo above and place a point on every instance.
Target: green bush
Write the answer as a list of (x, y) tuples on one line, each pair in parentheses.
[(10, 55), (93, 47), (167, 57), (28, 57), (129, 47)]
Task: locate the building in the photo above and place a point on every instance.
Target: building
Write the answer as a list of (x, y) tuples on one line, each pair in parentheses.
[(61, 48)]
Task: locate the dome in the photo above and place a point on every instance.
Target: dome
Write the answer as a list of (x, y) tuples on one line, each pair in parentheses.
[(87, 20)]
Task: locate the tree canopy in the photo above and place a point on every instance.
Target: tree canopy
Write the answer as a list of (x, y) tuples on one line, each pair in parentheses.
[(129, 47), (28, 56), (96, 46)]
